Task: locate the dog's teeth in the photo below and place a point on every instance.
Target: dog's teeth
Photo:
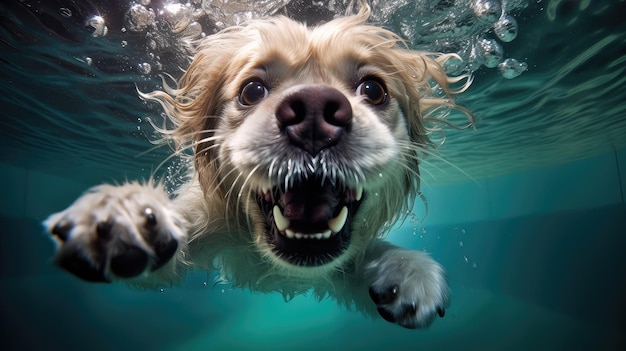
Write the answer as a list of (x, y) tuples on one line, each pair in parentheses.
[(359, 192), (282, 223), (299, 235), (337, 223), (318, 236), (290, 234), (326, 234)]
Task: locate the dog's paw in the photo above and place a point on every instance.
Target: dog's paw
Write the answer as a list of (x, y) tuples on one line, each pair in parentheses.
[(408, 287), (116, 232)]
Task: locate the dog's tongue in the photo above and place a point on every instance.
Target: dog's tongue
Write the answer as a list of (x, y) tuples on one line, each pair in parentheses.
[(309, 206)]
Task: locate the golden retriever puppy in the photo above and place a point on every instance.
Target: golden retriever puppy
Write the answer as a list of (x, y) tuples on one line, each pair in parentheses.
[(306, 144)]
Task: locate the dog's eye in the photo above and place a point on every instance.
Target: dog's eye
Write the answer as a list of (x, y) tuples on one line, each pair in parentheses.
[(373, 91), (252, 93)]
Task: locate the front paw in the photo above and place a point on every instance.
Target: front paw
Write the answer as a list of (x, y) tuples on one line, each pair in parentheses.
[(113, 233), (408, 287)]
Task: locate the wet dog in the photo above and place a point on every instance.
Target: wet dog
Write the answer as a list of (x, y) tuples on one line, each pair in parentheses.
[(306, 144)]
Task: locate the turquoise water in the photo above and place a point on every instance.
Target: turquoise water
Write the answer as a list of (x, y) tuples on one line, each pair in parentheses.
[(526, 213)]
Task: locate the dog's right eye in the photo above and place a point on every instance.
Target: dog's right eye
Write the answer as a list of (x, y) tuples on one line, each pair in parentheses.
[(373, 91), (253, 92)]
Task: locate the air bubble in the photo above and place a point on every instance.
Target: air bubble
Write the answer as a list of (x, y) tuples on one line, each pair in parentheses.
[(461, 243), (97, 24), (487, 11), (88, 60), (176, 17), (511, 68), (491, 52), (454, 66), (193, 30), (139, 17), (506, 28), (65, 12), (144, 68), (124, 43)]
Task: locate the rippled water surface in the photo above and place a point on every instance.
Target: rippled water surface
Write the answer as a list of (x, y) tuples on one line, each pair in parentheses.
[(548, 90)]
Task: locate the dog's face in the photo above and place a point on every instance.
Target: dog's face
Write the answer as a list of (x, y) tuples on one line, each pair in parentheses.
[(312, 134)]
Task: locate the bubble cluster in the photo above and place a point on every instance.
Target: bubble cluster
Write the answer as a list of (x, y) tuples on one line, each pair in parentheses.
[(139, 17), (472, 29)]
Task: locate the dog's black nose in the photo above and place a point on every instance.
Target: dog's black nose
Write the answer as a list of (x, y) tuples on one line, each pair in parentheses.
[(314, 117)]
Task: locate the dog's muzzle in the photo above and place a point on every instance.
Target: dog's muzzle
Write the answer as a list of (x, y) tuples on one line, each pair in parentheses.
[(309, 219)]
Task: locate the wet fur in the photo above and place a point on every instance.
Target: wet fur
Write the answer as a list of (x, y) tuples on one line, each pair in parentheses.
[(214, 217)]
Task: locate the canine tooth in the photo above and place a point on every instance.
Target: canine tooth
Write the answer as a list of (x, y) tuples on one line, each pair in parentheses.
[(299, 235), (318, 235), (282, 223), (326, 234), (359, 192), (337, 223), (290, 234)]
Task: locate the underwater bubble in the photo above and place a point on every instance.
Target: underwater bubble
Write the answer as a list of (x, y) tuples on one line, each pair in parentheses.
[(161, 290), (176, 17), (511, 68), (423, 230), (460, 243), (97, 24), (454, 66), (144, 2), (487, 11), (139, 17), (506, 28), (124, 43), (88, 60), (491, 52), (193, 30), (144, 68), (65, 12)]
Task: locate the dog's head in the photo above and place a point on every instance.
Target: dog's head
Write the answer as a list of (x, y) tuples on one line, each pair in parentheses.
[(313, 134)]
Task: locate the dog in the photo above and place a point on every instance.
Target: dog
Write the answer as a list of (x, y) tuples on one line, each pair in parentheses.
[(305, 145)]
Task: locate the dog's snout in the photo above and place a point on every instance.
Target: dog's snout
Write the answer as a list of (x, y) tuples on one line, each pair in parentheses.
[(315, 117)]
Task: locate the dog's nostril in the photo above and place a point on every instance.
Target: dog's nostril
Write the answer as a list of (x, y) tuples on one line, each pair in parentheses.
[(337, 113)]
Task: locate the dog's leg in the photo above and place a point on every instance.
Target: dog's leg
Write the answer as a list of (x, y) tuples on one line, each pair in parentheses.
[(130, 232), (407, 287)]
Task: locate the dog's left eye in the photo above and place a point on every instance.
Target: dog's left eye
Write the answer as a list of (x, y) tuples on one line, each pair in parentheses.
[(373, 91), (252, 93)]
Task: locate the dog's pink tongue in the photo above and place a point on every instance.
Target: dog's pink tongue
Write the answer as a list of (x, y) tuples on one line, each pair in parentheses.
[(309, 207)]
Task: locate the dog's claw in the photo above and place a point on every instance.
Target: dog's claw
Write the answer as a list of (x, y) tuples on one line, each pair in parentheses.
[(62, 230), (441, 311)]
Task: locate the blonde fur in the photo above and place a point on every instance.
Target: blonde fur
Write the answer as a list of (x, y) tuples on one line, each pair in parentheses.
[(237, 153)]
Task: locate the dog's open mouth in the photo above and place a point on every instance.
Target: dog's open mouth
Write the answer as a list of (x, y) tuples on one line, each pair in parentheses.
[(309, 223)]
